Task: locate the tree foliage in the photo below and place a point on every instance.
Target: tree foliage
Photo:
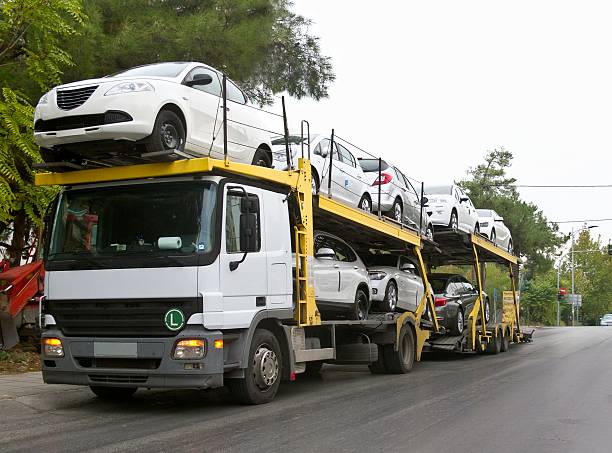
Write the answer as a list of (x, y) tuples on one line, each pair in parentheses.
[(259, 43), (539, 299)]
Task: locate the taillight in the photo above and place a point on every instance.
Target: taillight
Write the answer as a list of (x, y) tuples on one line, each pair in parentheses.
[(440, 301), (384, 178)]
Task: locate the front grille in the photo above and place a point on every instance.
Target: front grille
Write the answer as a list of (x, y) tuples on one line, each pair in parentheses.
[(118, 317), (136, 364), (71, 99), (117, 379), (79, 121)]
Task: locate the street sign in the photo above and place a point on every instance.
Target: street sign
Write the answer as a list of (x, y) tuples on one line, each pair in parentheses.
[(574, 299)]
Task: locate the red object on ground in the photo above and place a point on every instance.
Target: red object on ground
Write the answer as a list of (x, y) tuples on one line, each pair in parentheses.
[(19, 285)]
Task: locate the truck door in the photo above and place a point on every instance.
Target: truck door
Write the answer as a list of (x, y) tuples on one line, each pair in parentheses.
[(243, 277)]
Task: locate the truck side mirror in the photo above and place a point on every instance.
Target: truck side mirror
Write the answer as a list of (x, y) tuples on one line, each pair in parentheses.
[(248, 224)]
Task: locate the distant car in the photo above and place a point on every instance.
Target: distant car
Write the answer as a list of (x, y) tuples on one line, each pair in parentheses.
[(449, 206), (349, 183), (606, 320), (153, 108), (395, 282), (492, 226), (342, 285), (399, 199), (454, 299)]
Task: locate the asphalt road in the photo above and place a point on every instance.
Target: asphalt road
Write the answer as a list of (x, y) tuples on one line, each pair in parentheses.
[(553, 395)]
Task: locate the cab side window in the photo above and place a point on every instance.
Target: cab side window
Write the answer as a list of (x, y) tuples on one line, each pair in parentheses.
[(233, 242), (213, 88)]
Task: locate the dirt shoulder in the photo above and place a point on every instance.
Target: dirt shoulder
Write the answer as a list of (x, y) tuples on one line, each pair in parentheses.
[(20, 359)]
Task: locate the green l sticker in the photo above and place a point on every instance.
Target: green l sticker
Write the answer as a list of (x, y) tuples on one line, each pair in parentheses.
[(174, 319)]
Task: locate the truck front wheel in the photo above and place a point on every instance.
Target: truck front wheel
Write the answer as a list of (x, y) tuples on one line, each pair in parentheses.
[(263, 375)]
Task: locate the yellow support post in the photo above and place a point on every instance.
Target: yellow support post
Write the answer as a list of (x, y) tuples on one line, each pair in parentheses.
[(516, 306), (478, 306), (427, 296)]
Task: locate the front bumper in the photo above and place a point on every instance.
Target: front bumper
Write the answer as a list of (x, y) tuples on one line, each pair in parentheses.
[(378, 288), (439, 214), (151, 367), (141, 107)]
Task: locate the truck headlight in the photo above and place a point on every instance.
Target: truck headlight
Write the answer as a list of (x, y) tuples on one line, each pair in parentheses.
[(129, 87), (189, 349), (377, 275), (52, 347)]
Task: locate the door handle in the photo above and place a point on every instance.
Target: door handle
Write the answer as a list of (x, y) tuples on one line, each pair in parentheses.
[(336, 266), (355, 267)]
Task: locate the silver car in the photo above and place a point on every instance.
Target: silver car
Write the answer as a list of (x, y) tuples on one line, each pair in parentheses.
[(342, 285), (349, 184), (606, 320), (399, 199), (395, 282), (492, 226)]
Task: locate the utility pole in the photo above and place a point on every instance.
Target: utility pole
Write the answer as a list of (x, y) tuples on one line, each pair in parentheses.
[(558, 291), (572, 252)]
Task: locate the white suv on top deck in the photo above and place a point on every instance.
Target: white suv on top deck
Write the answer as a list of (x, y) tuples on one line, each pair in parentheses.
[(153, 108), (449, 206)]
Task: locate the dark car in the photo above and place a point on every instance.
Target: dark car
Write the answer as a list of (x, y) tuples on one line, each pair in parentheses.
[(454, 299)]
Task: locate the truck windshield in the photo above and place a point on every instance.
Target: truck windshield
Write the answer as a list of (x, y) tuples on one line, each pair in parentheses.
[(137, 220)]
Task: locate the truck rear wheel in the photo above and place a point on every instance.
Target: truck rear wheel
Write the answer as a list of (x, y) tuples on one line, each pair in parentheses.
[(505, 342), (494, 346), (400, 361), (263, 375), (379, 366), (113, 393)]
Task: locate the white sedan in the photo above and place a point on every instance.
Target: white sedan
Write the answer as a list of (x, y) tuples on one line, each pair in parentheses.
[(492, 226), (349, 183), (449, 206), (150, 111)]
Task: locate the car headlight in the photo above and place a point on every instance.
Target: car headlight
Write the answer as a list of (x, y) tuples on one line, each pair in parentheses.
[(377, 275), (129, 87), (44, 99)]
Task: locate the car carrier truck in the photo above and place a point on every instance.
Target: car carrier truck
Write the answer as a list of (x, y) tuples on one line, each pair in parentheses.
[(195, 274)]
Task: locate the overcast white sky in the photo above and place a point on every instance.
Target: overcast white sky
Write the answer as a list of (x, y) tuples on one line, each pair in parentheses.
[(433, 85)]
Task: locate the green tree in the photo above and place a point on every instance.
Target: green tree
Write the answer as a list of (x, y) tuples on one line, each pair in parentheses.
[(259, 43), (539, 299), (30, 57)]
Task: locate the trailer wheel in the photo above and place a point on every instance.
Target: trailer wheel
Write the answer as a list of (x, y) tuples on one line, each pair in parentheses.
[(401, 361), (263, 375), (113, 393), (505, 342), (379, 366), (494, 346)]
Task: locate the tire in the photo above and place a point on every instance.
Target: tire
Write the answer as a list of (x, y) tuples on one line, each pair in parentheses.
[(454, 221), (397, 211), (315, 181), (494, 346), (261, 158), (263, 374), (168, 133), (429, 232), (487, 310), (477, 229), (365, 203), (505, 342), (401, 361), (457, 324), (391, 296), (493, 236), (379, 367), (113, 393), (359, 311)]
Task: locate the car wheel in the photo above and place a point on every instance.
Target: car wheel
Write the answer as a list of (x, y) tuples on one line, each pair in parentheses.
[(397, 211), (113, 393), (400, 361), (429, 232), (168, 133), (454, 221), (263, 374), (510, 248), (493, 237), (477, 229), (458, 324), (365, 203), (390, 301), (315, 181), (360, 307), (261, 158), (487, 310)]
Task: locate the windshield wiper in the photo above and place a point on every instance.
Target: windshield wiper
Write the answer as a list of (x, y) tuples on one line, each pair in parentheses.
[(82, 256)]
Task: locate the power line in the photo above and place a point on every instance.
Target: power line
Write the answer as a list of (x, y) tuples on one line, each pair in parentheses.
[(580, 221), (568, 186)]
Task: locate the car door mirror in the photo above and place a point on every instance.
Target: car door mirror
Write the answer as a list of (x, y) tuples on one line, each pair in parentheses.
[(324, 152), (199, 80), (325, 253), (408, 267), (464, 199), (424, 201)]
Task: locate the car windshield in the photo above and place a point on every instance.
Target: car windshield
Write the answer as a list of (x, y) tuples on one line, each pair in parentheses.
[(371, 165), (156, 219), (609, 316), (485, 212), (439, 190), (154, 70), (438, 284), (381, 260)]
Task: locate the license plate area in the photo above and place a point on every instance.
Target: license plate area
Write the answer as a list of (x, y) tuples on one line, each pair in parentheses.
[(115, 349)]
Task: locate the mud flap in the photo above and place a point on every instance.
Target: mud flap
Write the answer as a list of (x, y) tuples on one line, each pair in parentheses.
[(8, 331)]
